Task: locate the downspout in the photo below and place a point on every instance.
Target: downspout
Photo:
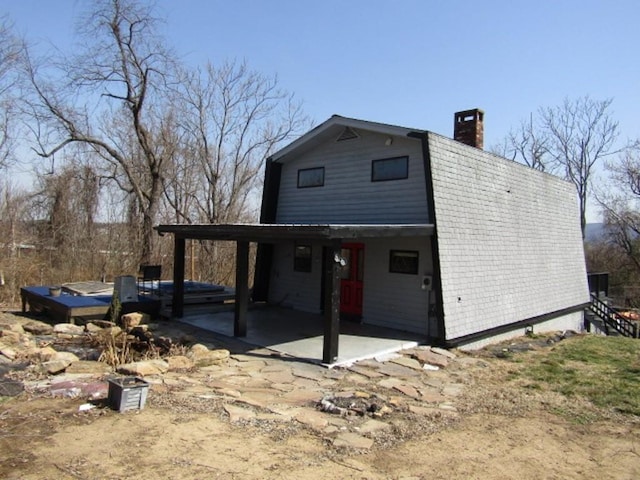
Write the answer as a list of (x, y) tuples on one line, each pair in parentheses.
[(440, 339)]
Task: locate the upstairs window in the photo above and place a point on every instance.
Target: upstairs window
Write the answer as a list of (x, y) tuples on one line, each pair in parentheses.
[(311, 177), (302, 258), (390, 169)]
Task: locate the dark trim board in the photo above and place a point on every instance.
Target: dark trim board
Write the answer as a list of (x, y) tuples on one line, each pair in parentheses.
[(439, 337), (274, 233), (473, 337)]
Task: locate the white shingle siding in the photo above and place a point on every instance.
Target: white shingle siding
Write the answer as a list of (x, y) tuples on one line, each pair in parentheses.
[(348, 195), (509, 239)]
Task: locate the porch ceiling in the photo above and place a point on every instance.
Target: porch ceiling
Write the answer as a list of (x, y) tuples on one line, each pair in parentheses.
[(273, 233)]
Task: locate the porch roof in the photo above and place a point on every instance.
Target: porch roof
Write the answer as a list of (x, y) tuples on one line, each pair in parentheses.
[(269, 233)]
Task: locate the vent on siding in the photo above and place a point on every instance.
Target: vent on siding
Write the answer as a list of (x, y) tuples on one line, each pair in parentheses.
[(347, 134)]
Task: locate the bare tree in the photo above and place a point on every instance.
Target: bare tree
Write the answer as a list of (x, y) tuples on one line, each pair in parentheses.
[(620, 203), (113, 104), (10, 54), (528, 144), (568, 140), (581, 133), (231, 119)]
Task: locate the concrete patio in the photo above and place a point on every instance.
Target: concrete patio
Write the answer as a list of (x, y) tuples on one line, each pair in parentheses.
[(300, 334)]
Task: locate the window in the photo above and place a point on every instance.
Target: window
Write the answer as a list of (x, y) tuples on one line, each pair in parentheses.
[(390, 169), (311, 177), (403, 261), (302, 258)]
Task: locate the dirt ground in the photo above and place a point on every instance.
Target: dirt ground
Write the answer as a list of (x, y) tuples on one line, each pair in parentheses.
[(500, 431)]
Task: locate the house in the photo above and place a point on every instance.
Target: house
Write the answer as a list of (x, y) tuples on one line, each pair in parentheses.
[(408, 229)]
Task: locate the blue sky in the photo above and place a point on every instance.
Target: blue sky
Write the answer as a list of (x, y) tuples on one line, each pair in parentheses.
[(406, 62)]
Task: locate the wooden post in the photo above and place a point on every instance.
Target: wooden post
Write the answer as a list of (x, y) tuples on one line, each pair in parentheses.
[(242, 289), (177, 308), (331, 303)]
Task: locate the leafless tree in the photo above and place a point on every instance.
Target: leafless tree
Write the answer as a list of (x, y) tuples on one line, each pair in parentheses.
[(568, 140), (10, 54), (16, 265), (231, 119), (620, 203), (528, 144), (112, 104), (581, 133)]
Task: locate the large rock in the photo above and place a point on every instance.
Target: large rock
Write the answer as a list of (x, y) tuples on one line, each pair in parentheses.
[(432, 358), (36, 327), (441, 351), (59, 362), (16, 345), (203, 357), (131, 320), (68, 328), (66, 356), (53, 367), (93, 328), (11, 326), (43, 354), (89, 366), (8, 352), (180, 362), (12, 337), (144, 368)]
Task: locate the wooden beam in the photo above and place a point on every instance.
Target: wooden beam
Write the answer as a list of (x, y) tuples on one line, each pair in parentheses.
[(177, 307), (242, 289), (331, 303)]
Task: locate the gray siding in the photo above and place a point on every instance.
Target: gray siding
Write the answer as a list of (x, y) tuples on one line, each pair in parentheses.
[(396, 300), (390, 299), (298, 290), (509, 239), (348, 195)]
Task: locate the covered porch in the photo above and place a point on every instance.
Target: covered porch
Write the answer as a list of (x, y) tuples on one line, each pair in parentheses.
[(300, 334), (266, 235)]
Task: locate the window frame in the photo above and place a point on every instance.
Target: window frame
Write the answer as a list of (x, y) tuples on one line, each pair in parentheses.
[(302, 264), (393, 265), (380, 161), (310, 185)]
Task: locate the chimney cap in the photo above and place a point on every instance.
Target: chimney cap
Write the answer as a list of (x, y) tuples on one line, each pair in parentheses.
[(464, 115), (468, 127)]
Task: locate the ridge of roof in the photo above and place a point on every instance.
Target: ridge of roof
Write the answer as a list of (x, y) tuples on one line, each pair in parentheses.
[(336, 119)]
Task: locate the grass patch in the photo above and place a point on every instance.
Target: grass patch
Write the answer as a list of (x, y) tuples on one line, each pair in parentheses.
[(604, 370)]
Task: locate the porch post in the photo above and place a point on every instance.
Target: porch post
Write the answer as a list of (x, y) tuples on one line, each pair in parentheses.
[(331, 303), (242, 289), (177, 307)]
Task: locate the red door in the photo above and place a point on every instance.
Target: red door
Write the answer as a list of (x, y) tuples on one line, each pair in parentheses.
[(351, 276)]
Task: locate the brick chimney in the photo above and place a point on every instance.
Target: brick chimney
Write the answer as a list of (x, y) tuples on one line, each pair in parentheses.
[(468, 127)]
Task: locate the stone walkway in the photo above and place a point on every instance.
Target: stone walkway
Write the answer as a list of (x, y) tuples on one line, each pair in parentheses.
[(351, 406), (354, 406)]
